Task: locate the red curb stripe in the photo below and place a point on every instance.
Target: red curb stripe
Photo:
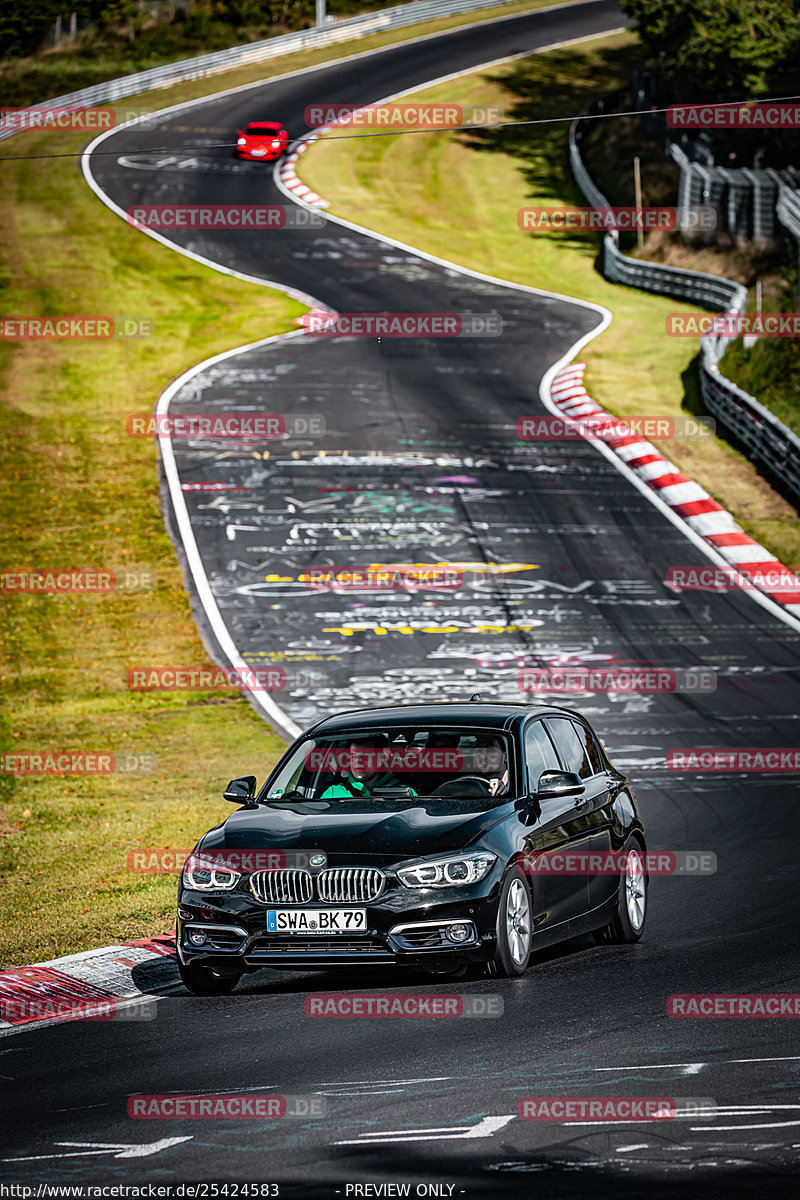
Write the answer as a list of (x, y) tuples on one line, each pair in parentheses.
[(731, 539), (668, 480), (635, 463), (695, 508)]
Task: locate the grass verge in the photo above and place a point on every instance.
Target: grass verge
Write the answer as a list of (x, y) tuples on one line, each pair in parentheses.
[(78, 492), (457, 195)]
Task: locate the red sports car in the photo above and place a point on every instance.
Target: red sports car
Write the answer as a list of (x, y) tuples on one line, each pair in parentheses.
[(262, 140)]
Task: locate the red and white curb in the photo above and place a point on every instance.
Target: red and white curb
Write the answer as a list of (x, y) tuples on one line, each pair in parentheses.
[(288, 172), (73, 986), (289, 177), (685, 497)]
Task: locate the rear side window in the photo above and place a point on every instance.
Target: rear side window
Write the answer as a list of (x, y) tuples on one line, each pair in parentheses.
[(540, 754), (570, 746)]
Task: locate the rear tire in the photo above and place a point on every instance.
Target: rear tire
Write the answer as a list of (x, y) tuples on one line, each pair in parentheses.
[(514, 927), (205, 981), (629, 920)]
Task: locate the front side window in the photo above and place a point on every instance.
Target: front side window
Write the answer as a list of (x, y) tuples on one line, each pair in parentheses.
[(540, 754), (591, 747), (570, 746)]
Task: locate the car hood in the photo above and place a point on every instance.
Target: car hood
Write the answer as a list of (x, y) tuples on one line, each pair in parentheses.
[(389, 831)]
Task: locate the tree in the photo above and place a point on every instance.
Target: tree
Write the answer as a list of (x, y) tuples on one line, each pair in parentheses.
[(23, 24), (718, 50)]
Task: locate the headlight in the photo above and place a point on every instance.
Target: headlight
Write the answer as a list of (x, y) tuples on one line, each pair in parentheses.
[(276, 145), (203, 876), (242, 142), (448, 872)]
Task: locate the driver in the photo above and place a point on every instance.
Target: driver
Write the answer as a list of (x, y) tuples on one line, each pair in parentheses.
[(362, 779), (490, 759)]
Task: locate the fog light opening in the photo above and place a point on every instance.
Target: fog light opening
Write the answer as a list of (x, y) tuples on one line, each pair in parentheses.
[(197, 937), (459, 933)]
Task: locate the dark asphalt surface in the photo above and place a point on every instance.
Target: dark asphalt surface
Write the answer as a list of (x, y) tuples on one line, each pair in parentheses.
[(423, 432)]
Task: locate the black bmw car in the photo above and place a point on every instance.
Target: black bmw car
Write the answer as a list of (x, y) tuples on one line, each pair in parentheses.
[(433, 836)]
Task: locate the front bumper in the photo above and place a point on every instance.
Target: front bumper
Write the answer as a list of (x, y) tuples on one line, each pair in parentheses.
[(270, 156), (403, 932)]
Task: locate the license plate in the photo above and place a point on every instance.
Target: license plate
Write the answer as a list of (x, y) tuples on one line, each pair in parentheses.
[(316, 920)]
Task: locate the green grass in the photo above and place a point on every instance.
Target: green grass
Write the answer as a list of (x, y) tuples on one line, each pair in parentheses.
[(78, 492), (770, 369), (457, 196)]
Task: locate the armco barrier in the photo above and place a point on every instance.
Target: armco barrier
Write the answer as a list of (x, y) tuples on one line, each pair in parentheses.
[(241, 56), (766, 440)]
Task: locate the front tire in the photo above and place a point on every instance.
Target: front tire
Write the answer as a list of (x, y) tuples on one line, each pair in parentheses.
[(205, 981), (514, 927), (628, 923)]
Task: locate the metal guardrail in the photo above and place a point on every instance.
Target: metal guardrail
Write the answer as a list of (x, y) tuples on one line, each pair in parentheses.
[(253, 52), (788, 209), (766, 440)]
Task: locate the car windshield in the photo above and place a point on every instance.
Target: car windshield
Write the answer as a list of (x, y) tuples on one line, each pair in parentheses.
[(397, 765), (262, 129)]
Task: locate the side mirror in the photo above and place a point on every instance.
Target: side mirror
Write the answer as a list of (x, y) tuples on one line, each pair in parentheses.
[(559, 783), (242, 791)]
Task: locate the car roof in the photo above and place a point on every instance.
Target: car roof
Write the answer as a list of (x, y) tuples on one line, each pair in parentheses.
[(264, 125), (482, 713)]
